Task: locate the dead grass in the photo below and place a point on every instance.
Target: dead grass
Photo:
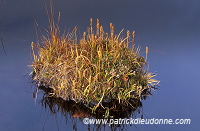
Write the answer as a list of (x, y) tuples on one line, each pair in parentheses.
[(97, 68)]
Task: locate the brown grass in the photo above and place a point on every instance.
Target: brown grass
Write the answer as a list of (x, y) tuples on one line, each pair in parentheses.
[(98, 68)]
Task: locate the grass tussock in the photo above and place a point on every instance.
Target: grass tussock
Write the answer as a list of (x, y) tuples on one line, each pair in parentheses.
[(97, 68)]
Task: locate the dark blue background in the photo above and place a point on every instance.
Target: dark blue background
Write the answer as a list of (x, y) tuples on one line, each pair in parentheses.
[(171, 30)]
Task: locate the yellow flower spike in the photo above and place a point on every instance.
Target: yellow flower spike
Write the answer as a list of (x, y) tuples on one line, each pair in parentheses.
[(147, 50), (90, 25), (97, 28)]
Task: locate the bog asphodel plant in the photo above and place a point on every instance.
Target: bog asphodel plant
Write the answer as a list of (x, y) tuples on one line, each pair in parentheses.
[(97, 68)]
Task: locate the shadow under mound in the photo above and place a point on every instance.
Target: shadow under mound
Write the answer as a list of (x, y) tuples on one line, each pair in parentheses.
[(80, 110)]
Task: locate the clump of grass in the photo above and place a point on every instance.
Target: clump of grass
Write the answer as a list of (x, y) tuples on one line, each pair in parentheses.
[(95, 69)]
